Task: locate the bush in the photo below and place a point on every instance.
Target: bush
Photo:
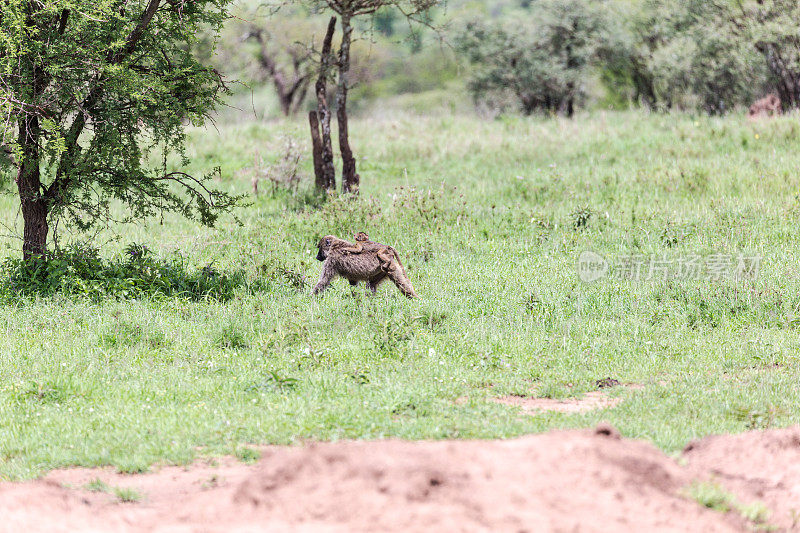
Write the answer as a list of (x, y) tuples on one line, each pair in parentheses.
[(81, 272), (543, 63), (689, 55), (699, 62)]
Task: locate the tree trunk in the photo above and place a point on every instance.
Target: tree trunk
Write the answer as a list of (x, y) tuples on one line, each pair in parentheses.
[(328, 176), (788, 85), (316, 151), (350, 178), (29, 186), (291, 91), (300, 96)]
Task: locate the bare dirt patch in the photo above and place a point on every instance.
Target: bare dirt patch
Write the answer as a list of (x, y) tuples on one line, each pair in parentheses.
[(559, 481), (587, 402)]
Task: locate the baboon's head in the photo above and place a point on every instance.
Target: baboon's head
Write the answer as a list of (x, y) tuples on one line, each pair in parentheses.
[(362, 237), (325, 247)]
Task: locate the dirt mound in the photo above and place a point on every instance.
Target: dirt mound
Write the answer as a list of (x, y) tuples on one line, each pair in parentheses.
[(756, 466), (570, 481), (560, 481)]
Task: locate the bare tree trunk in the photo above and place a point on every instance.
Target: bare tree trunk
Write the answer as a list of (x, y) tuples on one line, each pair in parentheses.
[(33, 204), (316, 151), (324, 114), (350, 178), (299, 98), (291, 93)]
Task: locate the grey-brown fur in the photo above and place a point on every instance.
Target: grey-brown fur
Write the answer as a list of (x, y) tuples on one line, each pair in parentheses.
[(357, 248), (366, 261)]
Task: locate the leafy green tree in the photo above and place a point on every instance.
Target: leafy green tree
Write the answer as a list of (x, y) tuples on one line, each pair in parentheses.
[(771, 27), (698, 61), (90, 90), (544, 61), (683, 54)]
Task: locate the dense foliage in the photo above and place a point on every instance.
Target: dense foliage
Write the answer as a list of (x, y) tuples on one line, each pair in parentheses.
[(543, 61), (89, 91), (771, 27), (545, 54), (80, 271), (661, 53)]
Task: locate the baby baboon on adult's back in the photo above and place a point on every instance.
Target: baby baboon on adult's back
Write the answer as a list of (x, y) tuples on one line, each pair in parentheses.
[(357, 248), (367, 261)]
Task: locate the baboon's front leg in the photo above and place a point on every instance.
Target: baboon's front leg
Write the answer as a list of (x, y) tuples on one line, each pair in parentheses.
[(328, 273)]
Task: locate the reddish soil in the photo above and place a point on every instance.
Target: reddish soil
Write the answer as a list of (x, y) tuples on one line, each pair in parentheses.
[(559, 481), (756, 466), (532, 405)]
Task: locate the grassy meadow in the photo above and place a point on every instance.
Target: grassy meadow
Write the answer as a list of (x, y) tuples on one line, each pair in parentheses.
[(490, 217)]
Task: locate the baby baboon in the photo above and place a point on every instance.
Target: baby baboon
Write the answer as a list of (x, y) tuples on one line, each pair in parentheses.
[(372, 264), (765, 107), (358, 248), (386, 254)]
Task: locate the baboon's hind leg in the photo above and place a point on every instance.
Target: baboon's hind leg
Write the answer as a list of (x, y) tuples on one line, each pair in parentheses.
[(372, 284), (399, 278)]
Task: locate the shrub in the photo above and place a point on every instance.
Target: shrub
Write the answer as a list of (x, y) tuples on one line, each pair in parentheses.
[(544, 63), (79, 271)]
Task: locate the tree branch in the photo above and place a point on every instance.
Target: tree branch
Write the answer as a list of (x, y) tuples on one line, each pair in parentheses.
[(137, 33), (95, 92), (62, 21)]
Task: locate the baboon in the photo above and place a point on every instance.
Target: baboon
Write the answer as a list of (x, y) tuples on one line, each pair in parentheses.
[(358, 248), (765, 107), (386, 254), (373, 264)]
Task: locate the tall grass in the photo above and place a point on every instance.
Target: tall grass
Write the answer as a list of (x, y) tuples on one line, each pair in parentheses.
[(490, 218)]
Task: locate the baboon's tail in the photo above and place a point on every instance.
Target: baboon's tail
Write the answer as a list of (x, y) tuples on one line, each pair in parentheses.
[(402, 281), (397, 256)]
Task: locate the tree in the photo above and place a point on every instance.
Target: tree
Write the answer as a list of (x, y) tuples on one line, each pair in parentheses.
[(288, 67), (771, 28), (320, 120), (348, 11), (90, 90), (544, 62), (682, 54), (696, 60), (255, 48)]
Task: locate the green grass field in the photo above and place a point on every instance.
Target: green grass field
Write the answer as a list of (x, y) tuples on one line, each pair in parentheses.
[(490, 218)]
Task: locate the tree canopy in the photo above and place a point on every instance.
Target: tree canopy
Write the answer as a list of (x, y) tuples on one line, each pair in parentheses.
[(88, 92)]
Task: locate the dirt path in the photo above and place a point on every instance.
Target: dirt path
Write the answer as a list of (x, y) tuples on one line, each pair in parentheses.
[(559, 481)]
